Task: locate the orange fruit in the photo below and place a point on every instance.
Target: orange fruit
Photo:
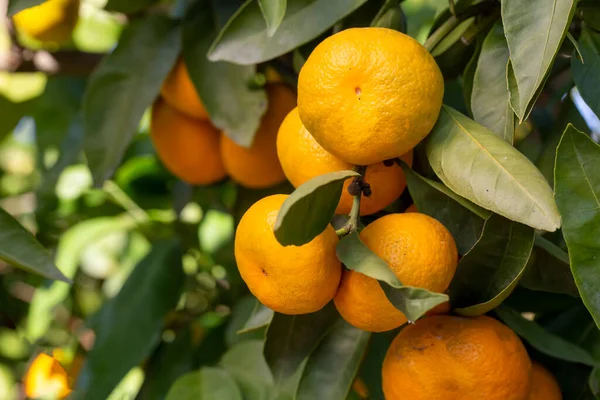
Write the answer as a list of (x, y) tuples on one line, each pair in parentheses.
[(287, 279), (420, 251), (369, 94), (179, 92), (302, 159), (50, 22), (258, 166), (543, 384), (411, 209), (45, 378), (188, 147), (456, 358)]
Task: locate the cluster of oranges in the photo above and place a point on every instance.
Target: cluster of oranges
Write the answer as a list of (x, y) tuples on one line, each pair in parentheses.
[(367, 96), (197, 152)]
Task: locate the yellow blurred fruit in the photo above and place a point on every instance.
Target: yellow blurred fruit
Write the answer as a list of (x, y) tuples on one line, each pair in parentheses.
[(543, 384), (369, 94), (456, 358), (51, 22), (287, 279), (188, 147), (179, 92), (302, 159), (258, 166), (420, 251), (272, 75), (46, 378)]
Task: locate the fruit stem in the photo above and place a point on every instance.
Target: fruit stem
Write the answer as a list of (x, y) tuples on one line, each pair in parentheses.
[(352, 223), (440, 33)]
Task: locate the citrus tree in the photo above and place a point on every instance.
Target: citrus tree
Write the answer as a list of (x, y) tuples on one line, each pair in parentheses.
[(300, 199)]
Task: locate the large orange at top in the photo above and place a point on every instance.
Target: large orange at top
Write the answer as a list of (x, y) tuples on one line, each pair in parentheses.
[(258, 166), (46, 378), (420, 251), (369, 94), (179, 92), (456, 358), (188, 147), (302, 159)]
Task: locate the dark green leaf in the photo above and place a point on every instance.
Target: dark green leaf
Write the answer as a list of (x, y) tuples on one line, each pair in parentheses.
[(587, 73), (14, 6), (569, 114), (391, 16), (534, 37), (488, 273), (245, 40), (129, 6), (129, 325), (542, 340), (123, 86), (490, 97), (261, 317), (411, 301), (292, 338), (233, 106), (208, 383), (48, 296), (11, 114), (370, 370), (247, 365), (273, 11), (594, 382), (242, 310), (331, 368), (308, 210), (168, 363), (548, 269), (469, 75), (20, 248), (480, 166), (577, 183), (462, 218)]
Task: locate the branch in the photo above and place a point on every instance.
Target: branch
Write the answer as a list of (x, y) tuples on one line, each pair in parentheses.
[(67, 62)]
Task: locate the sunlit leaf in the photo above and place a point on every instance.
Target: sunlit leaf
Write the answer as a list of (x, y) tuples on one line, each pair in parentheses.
[(482, 167)]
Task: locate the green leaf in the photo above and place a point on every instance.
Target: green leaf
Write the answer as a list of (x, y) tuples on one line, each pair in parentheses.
[(413, 302), (20, 248), (129, 6), (245, 40), (548, 269), (261, 317), (11, 114), (308, 210), (170, 361), (488, 273), (233, 106), (331, 368), (70, 246), (390, 16), (490, 96), (370, 370), (247, 365), (129, 326), (534, 38), (542, 340), (468, 75), (462, 218), (480, 166), (292, 338), (14, 6), (577, 184), (273, 11), (123, 86), (587, 73), (208, 383)]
